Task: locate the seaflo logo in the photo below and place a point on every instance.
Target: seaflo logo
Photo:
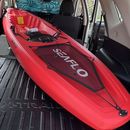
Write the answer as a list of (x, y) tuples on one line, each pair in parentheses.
[(72, 63)]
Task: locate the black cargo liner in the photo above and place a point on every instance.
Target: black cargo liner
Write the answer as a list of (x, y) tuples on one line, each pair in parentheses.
[(23, 106)]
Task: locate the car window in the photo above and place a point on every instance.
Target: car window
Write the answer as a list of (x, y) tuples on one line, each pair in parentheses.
[(79, 8), (90, 7), (99, 13)]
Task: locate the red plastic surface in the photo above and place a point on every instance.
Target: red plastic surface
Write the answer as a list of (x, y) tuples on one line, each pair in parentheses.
[(73, 96)]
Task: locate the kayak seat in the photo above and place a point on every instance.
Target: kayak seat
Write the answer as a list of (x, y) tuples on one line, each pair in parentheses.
[(40, 37), (117, 58), (66, 22)]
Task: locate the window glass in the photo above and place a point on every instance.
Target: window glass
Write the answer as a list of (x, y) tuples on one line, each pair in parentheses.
[(79, 10), (90, 7), (6, 3), (99, 13)]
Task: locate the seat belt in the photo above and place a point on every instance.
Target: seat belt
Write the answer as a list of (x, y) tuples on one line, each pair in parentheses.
[(95, 39)]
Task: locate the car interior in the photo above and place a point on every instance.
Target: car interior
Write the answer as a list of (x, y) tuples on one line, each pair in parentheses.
[(112, 53), (103, 32)]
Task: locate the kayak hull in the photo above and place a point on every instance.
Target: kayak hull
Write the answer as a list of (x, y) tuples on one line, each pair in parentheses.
[(73, 96)]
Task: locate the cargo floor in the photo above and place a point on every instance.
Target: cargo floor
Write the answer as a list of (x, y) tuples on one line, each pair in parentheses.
[(23, 106)]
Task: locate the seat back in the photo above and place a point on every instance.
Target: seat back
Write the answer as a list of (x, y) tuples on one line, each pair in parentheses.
[(117, 58), (66, 22), (67, 8)]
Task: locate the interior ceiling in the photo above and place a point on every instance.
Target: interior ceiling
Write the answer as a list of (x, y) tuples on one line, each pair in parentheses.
[(118, 30)]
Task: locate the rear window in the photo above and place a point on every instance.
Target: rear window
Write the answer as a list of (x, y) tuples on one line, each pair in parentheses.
[(90, 7)]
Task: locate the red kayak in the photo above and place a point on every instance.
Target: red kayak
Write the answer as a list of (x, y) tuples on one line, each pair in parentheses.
[(66, 71)]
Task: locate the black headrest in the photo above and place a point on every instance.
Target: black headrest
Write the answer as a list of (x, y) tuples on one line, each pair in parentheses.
[(67, 8)]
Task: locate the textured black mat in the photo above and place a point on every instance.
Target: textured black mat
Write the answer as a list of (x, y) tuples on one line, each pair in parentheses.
[(24, 106), (5, 50)]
